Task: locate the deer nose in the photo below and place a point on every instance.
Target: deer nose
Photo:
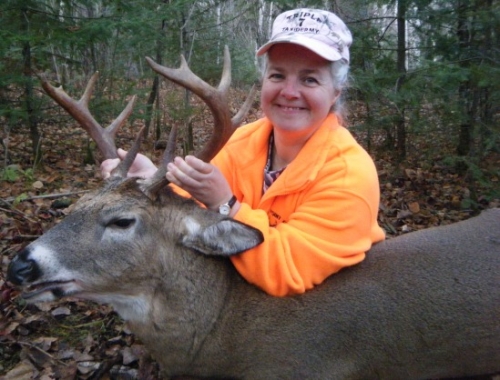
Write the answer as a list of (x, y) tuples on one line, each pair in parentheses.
[(22, 269)]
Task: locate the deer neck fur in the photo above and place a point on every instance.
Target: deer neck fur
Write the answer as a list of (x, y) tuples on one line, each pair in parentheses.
[(185, 316)]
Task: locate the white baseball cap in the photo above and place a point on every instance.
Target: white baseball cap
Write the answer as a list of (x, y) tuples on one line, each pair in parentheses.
[(320, 31)]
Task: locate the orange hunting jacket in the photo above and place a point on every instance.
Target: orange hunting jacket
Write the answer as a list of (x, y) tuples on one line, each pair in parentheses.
[(318, 217)]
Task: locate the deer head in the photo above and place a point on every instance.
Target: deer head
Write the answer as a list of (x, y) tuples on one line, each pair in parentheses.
[(113, 235)]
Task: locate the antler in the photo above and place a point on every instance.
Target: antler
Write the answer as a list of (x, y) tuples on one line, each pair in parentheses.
[(216, 100), (79, 110)]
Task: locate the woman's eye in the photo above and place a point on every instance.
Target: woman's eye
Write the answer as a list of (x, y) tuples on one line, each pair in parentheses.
[(311, 80), (122, 223), (275, 76)]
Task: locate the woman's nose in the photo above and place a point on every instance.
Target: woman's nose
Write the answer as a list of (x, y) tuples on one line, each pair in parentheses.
[(290, 89)]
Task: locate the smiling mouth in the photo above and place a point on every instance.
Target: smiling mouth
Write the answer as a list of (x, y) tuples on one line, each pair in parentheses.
[(291, 108)]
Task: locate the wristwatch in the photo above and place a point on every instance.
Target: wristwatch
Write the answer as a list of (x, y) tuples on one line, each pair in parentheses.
[(225, 208)]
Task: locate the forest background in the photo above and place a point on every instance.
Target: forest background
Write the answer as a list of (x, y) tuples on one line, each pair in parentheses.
[(420, 69), (424, 100)]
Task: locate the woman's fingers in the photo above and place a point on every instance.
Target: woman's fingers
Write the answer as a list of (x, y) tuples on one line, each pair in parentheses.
[(190, 171), (202, 180), (141, 167), (199, 165), (182, 173), (121, 153), (108, 165)]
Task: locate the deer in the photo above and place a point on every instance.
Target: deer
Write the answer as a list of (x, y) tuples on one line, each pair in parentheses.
[(424, 305)]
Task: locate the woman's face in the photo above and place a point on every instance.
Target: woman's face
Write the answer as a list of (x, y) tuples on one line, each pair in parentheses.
[(297, 90)]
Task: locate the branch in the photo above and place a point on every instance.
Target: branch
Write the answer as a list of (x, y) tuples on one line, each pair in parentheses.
[(46, 196)]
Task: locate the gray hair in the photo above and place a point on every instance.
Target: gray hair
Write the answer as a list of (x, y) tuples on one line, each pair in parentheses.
[(340, 75)]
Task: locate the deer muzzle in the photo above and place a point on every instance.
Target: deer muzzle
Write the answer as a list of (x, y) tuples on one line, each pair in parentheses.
[(24, 271)]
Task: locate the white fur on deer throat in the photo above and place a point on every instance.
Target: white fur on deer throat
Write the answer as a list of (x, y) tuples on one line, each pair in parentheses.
[(132, 308)]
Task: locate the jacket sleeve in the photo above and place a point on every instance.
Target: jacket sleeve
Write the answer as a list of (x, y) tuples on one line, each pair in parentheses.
[(332, 226)]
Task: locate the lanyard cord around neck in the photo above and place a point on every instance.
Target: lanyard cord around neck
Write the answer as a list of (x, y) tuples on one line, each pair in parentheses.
[(270, 175)]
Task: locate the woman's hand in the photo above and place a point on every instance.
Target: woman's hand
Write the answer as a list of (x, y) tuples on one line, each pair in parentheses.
[(141, 167), (202, 180)]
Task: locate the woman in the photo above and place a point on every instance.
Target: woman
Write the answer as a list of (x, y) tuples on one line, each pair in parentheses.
[(297, 175)]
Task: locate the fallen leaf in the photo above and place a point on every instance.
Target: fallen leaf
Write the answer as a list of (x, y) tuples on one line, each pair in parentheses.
[(37, 185), (22, 371), (414, 207), (63, 310), (45, 343), (87, 367), (402, 214)]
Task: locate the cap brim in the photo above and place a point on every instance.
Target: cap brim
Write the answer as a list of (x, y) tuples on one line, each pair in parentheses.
[(318, 47)]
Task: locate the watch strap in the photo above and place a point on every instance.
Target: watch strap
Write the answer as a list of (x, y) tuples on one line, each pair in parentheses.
[(232, 201), (225, 208)]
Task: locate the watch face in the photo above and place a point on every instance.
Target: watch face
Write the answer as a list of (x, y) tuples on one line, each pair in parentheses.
[(224, 209)]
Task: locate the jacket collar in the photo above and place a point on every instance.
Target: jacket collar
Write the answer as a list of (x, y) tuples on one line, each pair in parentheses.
[(311, 158), (304, 168), (301, 171)]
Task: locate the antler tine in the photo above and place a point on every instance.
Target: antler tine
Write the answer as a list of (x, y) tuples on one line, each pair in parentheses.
[(216, 100), (123, 167), (238, 118), (79, 110), (225, 80), (159, 181)]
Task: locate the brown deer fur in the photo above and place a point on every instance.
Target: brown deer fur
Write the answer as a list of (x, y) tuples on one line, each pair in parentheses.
[(423, 305)]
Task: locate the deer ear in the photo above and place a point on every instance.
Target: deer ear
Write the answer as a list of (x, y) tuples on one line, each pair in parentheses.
[(224, 238)]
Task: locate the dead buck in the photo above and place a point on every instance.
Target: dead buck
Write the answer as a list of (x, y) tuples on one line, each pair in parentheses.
[(423, 305)]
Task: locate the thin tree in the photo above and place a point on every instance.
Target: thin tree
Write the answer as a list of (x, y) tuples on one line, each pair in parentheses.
[(401, 69)]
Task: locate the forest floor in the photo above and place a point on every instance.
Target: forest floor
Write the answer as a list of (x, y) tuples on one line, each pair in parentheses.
[(72, 339)]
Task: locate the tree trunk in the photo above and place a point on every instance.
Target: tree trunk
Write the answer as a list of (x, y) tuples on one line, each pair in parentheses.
[(464, 89), (486, 108), (150, 103), (28, 90), (188, 125), (401, 68), (153, 95)]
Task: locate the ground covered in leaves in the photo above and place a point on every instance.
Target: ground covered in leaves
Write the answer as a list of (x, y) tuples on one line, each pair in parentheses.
[(72, 339)]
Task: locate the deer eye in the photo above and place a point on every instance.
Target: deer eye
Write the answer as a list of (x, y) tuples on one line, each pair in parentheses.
[(122, 222)]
